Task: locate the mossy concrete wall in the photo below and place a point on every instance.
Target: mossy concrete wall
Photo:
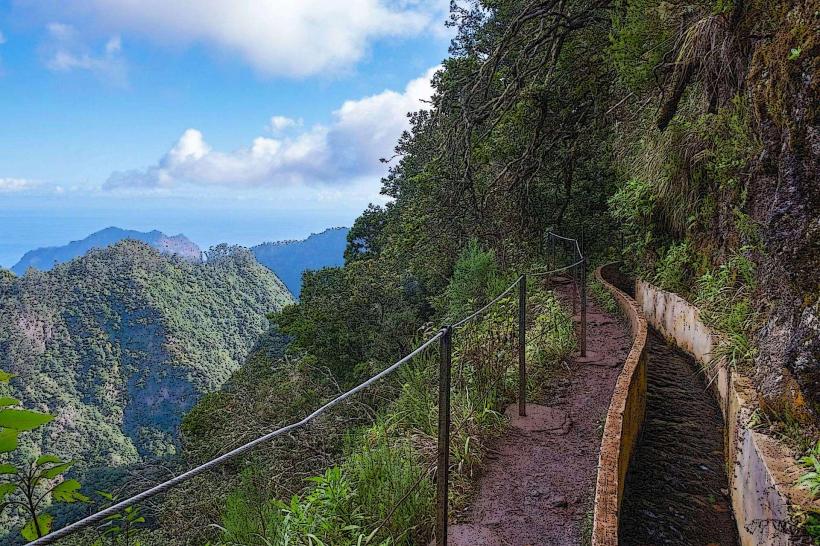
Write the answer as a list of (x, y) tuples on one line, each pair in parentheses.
[(624, 419), (761, 470)]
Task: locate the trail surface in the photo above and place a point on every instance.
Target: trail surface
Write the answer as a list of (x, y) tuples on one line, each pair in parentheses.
[(676, 489), (537, 490)]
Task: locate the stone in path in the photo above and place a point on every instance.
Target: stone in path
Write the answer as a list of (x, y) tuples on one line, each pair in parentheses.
[(539, 419)]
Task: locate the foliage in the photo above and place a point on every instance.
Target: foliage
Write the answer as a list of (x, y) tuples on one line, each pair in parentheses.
[(603, 296), (100, 337), (120, 528), (811, 478), (28, 489), (476, 279), (724, 298), (639, 34), (673, 271), (552, 335)]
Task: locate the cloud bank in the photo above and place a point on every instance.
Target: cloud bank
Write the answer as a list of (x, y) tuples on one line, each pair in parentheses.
[(362, 132), (287, 37), (65, 51), (9, 185)]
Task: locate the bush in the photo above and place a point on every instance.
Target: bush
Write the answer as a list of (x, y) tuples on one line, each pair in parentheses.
[(673, 273), (476, 280)]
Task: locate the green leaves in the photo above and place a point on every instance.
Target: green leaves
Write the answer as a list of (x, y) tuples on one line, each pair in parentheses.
[(68, 491), (811, 479), (19, 419), (53, 472), (5, 489), (8, 440), (8, 401), (5, 377), (7, 468), (38, 527)]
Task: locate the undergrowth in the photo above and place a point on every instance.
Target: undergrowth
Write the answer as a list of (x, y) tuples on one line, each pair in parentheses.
[(382, 491), (810, 480), (724, 297), (603, 296)]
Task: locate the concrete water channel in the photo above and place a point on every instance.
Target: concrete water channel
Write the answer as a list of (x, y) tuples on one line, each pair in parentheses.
[(677, 490)]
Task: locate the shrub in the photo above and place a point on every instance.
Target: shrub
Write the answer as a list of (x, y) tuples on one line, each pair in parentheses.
[(673, 272)]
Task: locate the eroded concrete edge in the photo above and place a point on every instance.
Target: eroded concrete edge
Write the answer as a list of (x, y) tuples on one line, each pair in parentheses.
[(761, 470), (624, 419)]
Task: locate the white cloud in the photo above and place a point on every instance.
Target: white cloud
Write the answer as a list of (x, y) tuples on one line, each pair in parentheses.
[(282, 37), (65, 51), (279, 124), (362, 132), (8, 185)]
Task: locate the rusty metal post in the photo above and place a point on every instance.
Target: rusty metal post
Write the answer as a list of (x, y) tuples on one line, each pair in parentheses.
[(583, 306), (574, 275), (583, 302), (550, 259), (522, 346), (443, 468)]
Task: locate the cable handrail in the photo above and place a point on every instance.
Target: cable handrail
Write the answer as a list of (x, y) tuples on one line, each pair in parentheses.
[(98, 517), (470, 317), (157, 489), (577, 246), (536, 273)]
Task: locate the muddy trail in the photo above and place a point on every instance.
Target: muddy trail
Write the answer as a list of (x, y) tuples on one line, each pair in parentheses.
[(676, 488), (537, 488)]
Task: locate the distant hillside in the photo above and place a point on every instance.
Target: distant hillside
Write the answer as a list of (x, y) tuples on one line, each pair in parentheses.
[(121, 342), (46, 258), (288, 259)]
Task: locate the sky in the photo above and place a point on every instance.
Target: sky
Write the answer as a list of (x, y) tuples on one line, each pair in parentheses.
[(237, 121)]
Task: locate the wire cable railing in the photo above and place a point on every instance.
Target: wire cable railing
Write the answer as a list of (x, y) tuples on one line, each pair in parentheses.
[(444, 337)]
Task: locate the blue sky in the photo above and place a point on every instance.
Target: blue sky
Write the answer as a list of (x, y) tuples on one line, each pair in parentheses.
[(238, 121)]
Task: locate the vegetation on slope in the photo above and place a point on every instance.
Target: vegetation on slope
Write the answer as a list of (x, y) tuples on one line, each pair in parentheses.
[(46, 258), (686, 127), (661, 125), (120, 343), (371, 479)]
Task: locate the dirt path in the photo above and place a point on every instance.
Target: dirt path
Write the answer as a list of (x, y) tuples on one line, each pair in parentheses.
[(537, 490), (676, 489)]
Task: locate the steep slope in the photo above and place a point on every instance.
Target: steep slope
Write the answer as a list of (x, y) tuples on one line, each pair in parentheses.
[(288, 259), (46, 258), (121, 342)]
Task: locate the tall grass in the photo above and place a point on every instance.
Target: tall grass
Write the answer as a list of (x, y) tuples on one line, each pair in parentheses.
[(724, 297), (382, 492)]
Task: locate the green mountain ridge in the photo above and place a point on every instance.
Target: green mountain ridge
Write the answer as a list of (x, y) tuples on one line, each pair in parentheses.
[(119, 343), (46, 258)]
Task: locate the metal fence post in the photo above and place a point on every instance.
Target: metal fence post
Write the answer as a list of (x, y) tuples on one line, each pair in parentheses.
[(552, 251), (443, 468), (522, 345), (583, 306), (574, 273)]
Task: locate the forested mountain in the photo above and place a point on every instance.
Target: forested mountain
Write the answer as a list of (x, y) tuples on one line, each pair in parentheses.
[(46, 258), (288, 259), (679, 137), (120, 343)]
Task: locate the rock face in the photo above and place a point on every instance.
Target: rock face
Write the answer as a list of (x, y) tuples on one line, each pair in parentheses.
[(46, 258), (119, 343), (784, 196), (288, 259)]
